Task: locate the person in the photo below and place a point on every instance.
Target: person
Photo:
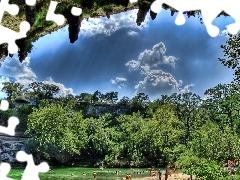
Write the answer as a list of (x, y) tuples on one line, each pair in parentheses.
[(159, 174), (127, 177), (166, 174), (94, 174)]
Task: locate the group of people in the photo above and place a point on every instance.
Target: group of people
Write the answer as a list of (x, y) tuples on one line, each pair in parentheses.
[(231, 166), (158, 174), (128, 176), (94, 174)]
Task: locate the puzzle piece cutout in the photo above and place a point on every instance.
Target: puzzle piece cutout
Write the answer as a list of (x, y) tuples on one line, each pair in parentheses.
[(7, 35), (31, 171), (4, 105), (12, 123), (209, 10), (4, 170), (58, 18)]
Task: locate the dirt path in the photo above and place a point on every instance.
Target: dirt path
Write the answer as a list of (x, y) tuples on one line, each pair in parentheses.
[(179, 176)]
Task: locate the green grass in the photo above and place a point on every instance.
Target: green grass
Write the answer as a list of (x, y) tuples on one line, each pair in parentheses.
[(65, 173)]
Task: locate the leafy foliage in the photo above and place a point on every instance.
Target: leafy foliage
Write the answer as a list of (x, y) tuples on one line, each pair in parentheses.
[(58, 125)]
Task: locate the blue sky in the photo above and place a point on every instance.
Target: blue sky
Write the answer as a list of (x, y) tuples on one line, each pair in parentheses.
[(115, 54)]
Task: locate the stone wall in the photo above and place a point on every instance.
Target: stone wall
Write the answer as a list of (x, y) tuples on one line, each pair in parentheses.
[(8, 150)]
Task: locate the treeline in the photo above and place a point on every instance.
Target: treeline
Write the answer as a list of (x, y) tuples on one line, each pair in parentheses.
[(191, 131)]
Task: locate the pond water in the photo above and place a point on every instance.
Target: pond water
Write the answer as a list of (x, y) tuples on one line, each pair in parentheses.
[(77, 173)]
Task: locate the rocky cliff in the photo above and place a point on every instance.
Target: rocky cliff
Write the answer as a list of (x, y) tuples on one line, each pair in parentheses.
[(10, 145)]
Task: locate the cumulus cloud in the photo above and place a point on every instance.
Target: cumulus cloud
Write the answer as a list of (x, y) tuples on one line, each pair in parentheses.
[(63, 90), (23, 74), (102, 25), (155, 81), (119, 81), (186, 89), (132, 33), (224, 33), (151, 59)]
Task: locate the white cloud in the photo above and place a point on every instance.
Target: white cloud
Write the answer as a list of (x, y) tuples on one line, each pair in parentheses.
[(23, 74), (155, 80), (152, 59), (119, 81), (63, 90), (11, 67), (132, 33), (224, 33), (2, 80), (186, 89), (102, 25)]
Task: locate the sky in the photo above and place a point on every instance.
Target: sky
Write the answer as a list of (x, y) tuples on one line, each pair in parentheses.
[(115, 54)]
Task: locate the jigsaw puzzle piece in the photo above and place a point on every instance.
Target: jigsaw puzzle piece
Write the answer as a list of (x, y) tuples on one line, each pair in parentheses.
[(133, 1), (31, 171), (76, 11), (4, 105), (51, 16), (4, 170), (12, 9), (11, 36), (30, 2), (180, 19), (12, 123)]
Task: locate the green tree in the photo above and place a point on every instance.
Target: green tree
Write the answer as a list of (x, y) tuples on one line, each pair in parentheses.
[(130, 127), (231, 52), (223, 105), (186, 107), (212, 143), (43, 90), (12, 89), (57, 124), (111, 97)]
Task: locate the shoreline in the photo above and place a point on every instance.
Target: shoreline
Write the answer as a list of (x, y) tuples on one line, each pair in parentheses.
[(174, 176)]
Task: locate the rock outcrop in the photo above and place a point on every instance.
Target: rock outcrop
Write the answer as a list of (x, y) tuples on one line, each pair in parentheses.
[(8, 150)]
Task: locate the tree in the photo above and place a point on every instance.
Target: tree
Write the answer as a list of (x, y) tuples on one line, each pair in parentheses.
[(231, 52), (222, 103), (85, 97), (202, 168), (160, 134), (130, 127), (103, 139), (124, 101), (97, 97), (12, 89), (139, 103), (185, 107), (43, 90), (57, 124), (111, 97), (212, 143)]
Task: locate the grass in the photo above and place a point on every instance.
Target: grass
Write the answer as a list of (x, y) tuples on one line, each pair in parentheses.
[(65, 173)]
